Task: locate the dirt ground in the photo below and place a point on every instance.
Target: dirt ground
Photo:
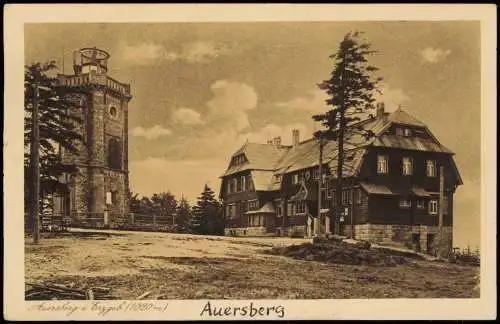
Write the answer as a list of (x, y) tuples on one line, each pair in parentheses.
[(179, 266)]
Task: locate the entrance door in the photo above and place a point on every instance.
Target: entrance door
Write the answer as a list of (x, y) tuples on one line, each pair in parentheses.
[(430, 244), (415, 241)]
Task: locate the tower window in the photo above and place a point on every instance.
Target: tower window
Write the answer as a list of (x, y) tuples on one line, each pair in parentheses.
[(114, 154), (113, 111)]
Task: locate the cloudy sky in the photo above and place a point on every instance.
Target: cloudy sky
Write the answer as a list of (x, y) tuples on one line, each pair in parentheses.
[(202, 89)]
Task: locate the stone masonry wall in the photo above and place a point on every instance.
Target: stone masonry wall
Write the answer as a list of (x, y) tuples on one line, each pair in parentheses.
[(402, 234)]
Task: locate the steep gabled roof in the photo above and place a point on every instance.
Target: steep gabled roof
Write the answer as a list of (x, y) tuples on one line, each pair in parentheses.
[(409, 143), (402, 117), (259, 157)]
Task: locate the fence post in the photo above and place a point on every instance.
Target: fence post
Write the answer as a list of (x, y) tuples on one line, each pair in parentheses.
[(132, 218), (154, 221)]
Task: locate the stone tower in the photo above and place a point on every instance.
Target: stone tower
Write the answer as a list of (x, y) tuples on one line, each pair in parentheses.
[(97, 195)]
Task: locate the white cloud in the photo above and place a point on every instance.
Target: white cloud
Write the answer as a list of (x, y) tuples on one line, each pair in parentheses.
[(202, 51), (434, 55), (231, 103), (142, 54), (150, 133), (391, 97), (187, 116), (313, 102), (148, 52)]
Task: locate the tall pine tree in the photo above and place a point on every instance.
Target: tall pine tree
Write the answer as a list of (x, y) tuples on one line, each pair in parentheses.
[(351, 93), (207, 216)]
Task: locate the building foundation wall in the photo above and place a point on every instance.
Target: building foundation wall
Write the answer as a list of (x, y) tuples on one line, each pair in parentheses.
[(414, 237)]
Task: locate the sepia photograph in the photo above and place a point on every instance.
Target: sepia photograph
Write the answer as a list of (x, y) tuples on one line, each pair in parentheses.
[(247, 165)]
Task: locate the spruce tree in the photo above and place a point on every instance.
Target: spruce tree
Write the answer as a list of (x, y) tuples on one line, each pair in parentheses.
[(207, 214), (351, 90)]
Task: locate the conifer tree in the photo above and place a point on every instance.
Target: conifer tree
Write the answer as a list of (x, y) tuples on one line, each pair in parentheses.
[(207, 214), (350, 88)]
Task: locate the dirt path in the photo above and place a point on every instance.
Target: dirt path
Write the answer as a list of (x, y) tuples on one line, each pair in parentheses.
[(189, 267)]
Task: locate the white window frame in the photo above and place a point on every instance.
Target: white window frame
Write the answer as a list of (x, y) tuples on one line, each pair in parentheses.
[(420, 204), (431, 169), (433, 207), (407, 132), (295, 178), (382, 164), (253, 204), (404, 203), (407, 165)]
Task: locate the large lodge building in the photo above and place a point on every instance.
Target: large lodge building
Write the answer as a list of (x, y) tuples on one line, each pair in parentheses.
[(391, 185)]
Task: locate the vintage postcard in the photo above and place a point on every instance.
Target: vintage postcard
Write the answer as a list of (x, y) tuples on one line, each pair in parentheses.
[(255, 162)]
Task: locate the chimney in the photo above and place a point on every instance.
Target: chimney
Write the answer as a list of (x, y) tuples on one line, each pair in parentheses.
[(380, 109), (295, 137), (277, 141)]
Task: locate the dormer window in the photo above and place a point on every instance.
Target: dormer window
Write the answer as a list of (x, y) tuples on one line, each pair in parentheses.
[(239, 159), (277, 178), (407, 132)]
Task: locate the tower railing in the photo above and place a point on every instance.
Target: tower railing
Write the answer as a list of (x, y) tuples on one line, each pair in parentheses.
[(81, 80)]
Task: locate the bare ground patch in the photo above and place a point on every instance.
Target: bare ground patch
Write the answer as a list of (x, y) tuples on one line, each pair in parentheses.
[(172, 268)]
